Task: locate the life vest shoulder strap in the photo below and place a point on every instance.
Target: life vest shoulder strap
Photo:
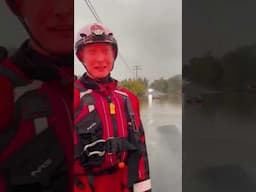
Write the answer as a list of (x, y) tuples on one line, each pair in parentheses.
[(29, 104), (12, 76)]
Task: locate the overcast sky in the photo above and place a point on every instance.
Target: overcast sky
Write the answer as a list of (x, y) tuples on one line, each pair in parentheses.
[(217, 26), (12, 32), (148, 34)]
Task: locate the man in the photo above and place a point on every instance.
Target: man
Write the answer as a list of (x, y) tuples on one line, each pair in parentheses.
[(110, 149), (36, 99)]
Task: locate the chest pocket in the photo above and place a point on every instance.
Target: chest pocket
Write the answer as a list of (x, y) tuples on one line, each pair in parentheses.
[(89, 130), (39, 163)]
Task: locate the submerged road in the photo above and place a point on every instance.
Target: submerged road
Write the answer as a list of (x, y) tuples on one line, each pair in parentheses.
[(162, 124)]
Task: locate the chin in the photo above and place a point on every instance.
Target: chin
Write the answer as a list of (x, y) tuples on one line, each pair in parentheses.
[(60, 45), (62, 50), (101, 76)]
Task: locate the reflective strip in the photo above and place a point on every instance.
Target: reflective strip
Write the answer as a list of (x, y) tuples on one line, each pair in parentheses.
[(94, 143), (19, 91), (41, 124), (142, 186), (91, 108), (99, 153), (85, 93), (122, 93)]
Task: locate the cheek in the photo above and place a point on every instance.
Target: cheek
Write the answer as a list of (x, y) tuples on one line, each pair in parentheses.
[(110, 66), (34, 14), (87, 59), (88, 62), (110, 59), (36, 22)]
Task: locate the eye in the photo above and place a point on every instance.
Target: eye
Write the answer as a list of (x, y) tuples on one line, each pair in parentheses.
[(106, 51), (91, 51)]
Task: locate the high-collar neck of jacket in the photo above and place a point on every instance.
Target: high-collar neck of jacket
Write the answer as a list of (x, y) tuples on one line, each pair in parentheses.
[(38, 66), (105, 86)]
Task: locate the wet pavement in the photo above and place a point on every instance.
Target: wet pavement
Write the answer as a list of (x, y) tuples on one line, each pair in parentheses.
[(162, 124)]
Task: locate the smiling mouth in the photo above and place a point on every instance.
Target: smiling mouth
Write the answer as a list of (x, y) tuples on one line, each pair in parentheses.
[(100, 67)]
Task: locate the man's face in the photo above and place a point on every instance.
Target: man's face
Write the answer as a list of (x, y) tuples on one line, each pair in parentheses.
[(98, 59), (51, 23)]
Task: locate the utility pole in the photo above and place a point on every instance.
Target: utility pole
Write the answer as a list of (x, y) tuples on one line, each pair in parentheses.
[(136, 68)]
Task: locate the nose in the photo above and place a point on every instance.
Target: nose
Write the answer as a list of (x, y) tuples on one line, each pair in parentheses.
[(99, 56)]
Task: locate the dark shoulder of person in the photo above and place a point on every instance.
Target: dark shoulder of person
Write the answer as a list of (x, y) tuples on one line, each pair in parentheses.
[(3, 53)]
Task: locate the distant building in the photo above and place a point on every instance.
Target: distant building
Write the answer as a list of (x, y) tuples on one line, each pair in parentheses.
[(155, 94)]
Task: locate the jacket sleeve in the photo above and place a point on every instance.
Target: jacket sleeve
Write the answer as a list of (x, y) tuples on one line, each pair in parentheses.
[(144, 174), (81, 183), (143, 169), (144, 162)]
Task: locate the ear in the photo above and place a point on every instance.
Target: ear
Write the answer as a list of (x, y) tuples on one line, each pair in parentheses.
[(80, 55), (113, 65)]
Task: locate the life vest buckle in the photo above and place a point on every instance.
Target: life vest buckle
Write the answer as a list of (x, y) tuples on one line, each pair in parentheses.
[(99, 144), (113, 146)]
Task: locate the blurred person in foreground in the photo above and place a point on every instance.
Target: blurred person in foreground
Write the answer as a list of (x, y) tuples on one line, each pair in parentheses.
[(36, 99)]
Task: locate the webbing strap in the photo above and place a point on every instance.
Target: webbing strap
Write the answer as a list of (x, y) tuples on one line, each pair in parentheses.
[(9, 132), (79, 87), (86, 99), (91, 182), (16, 80), (30, 106), (40, 124), (100, 147), (133, 136), (21, 90), (25, 97), (78, 183)]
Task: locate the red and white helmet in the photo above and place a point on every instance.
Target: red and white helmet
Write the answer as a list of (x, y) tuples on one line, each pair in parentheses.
[(95, 33)]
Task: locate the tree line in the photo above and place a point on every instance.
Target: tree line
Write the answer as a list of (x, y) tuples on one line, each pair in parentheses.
[(140, 86), (234, 70)]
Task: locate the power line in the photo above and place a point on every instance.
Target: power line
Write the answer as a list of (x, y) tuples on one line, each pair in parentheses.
[(136, 68), (93, 11), (124, 61)]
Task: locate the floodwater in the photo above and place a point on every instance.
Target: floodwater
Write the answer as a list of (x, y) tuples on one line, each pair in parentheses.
[(219, 142), (162, 124)]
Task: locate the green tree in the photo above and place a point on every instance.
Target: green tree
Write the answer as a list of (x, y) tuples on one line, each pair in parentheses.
[(234, 70), (239, 67), (174, 84), (160, 85), (137, 87), (171, 85), (205, 70)]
